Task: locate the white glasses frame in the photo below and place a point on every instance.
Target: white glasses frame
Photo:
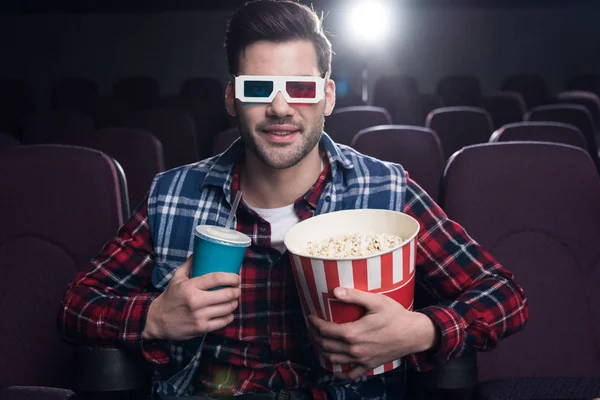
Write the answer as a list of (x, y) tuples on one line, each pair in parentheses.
[(279, 83)]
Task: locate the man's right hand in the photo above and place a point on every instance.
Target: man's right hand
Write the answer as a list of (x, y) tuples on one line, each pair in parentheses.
[(186, 309)]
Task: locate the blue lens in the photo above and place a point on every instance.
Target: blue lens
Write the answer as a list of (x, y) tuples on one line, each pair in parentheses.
[(259, 89)]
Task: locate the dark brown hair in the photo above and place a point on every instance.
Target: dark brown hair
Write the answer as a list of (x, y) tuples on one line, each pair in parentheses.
[(275, 21)]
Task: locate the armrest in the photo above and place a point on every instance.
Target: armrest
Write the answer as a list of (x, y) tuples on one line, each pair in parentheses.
[(459, 373), (109, 369), (454, 380), (36, 393)]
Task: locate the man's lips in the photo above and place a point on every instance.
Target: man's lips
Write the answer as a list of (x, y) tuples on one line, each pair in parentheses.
[(280, 130), (281, 133)]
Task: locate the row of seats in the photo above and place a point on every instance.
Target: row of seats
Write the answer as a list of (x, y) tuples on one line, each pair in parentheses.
[(177, 130), (399, 94), (138, 98), (461, 126), (504, 107), (420, 150), (138, 152), (141, 92), (465, 90), (133, 98), (504, 194), (138, 92)]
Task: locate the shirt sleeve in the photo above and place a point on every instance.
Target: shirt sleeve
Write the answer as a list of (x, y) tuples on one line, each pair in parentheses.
[(479, 300), (107, 303)]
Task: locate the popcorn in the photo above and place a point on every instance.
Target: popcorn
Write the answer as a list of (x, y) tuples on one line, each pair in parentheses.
[(352, 245)]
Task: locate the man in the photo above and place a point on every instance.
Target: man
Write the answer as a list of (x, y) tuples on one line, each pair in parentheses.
[(250, 338)]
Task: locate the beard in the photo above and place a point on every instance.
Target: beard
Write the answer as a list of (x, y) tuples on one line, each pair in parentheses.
[(281, 156)]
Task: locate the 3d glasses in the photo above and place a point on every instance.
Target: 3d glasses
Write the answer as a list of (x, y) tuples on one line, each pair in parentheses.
[(295, 89)]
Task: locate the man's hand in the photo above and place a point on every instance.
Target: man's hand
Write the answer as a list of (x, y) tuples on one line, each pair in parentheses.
[(186, 309), (385, 333)]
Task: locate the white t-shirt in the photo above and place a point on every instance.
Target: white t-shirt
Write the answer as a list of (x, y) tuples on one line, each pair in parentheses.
[(281, 219)]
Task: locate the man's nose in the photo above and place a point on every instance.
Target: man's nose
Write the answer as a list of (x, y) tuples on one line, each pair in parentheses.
[(279, 107)]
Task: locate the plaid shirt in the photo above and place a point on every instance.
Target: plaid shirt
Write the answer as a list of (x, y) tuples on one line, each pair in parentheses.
[(266, 347)]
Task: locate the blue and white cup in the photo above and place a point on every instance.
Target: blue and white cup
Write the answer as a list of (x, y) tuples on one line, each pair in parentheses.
[(218, 249)]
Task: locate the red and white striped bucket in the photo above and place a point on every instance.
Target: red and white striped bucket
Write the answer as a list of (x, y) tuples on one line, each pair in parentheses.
[(391, 274)]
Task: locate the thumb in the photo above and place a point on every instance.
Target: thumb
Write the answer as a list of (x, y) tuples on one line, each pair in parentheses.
[(183, 271), (370, 301)]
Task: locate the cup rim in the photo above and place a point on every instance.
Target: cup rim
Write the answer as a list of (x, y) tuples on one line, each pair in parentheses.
[(246, 243)]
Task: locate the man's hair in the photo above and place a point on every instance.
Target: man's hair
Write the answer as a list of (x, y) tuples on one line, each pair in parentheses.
[(275, 21)]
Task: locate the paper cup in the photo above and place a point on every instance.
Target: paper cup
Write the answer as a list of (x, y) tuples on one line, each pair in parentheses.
[(218, 249), (390, 273)]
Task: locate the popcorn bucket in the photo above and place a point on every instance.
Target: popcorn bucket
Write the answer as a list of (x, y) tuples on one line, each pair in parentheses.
[(391, 272)]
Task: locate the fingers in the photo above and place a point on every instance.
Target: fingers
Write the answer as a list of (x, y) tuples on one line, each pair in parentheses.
[(184, 270), (202, 300), (335, 358), (357, 372), (216, 279), (371, 301), (219, 310), (219, 323), (335, 351), (327, 345), (332, 330), (354, 373)]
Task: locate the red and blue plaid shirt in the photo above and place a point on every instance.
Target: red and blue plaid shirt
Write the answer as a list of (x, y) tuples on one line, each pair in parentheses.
[(267, 348)]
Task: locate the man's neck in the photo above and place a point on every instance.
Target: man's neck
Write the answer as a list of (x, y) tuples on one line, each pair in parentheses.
[(265, 187)]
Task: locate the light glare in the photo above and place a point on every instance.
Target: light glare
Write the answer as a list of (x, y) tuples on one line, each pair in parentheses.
[(370, 20)]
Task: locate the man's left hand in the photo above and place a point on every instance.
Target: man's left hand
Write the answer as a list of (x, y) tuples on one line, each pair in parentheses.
[(386, 332)]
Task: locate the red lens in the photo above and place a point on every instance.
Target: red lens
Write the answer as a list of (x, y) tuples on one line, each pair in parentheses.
[(301, 90)]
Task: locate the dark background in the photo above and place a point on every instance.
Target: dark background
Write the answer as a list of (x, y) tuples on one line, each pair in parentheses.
[(43, 41), (163, 5)]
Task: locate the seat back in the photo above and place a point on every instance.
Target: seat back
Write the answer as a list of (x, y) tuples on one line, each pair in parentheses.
[(344, 123), (534, 206), (16, 104), (428, 103), (400, 96), (589, 100), (139, 153), (417, 149), (57, 126), (458, 127), (7, 140), (202, 87), (572, 114), (58, 210), (587, 81), (349, 100), (504, 107), (554, 132), (460, 90), (74, 94), (176, 131), (207, 110), (138, 92), (531, 86), (108, 111), (224, 139)]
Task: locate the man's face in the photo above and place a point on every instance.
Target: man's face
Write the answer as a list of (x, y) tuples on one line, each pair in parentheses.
[(279, 134)]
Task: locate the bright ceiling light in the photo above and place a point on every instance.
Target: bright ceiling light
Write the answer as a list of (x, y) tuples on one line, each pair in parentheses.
[(370, 20)]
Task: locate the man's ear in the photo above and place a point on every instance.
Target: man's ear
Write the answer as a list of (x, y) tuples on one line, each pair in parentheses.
[(329, 97), (230, 99)]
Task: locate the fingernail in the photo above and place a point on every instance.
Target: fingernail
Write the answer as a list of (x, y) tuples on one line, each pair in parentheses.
[(341, 292)]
